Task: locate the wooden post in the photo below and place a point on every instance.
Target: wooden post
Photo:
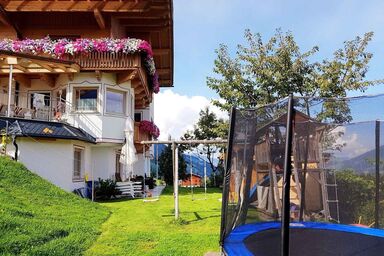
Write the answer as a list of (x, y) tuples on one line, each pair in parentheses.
[(176, 178)]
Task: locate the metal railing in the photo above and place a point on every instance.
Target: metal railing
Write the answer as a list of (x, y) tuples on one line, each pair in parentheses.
[(35, 105)]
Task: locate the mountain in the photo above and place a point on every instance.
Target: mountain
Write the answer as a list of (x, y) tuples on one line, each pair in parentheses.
[(196, 162), (362, 163)]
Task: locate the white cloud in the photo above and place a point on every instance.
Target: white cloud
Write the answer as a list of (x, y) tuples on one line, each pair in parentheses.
[(353, 144), (175, 113)]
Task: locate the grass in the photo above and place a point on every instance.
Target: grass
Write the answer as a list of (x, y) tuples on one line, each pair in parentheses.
[(148, 228), (38, 218)]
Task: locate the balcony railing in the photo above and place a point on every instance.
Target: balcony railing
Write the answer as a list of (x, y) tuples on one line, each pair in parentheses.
[(37, 106), (107, 61), (140, 136)]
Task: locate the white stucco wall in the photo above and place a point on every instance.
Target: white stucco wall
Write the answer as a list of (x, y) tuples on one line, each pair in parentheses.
[(52, 160), (142, 165), (104, 161)]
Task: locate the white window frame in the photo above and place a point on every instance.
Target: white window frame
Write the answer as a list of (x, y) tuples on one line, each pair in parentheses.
[(125, 101), (87, 87), (79, 178)]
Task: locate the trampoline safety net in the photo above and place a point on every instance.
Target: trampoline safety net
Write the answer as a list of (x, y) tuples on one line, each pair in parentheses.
[(336, 181)]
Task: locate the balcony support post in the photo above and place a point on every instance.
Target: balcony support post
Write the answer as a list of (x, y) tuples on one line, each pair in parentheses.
[(9, 90)]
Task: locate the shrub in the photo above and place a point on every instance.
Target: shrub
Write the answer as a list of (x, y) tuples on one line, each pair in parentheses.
[(106, 189)]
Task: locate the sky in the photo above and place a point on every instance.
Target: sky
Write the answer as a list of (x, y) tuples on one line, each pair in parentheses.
[(200, 26)]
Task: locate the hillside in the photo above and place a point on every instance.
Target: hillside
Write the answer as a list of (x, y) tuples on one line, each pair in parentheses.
[(38, 218), (363, 162), (197, 163)]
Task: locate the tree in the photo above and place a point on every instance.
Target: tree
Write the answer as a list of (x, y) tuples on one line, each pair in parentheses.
[(208, 127), (263, 72), (166, 165)]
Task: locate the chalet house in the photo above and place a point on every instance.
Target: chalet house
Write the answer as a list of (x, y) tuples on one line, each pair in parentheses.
[(193, 180), (77, 81)]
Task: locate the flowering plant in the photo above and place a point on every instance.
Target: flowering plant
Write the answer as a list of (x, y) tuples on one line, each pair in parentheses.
[(150, 127), (64, 47)]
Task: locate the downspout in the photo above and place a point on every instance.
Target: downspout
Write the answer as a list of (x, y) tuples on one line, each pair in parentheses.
[(16, 147)]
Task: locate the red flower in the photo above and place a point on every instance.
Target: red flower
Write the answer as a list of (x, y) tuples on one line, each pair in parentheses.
[(150, 127)]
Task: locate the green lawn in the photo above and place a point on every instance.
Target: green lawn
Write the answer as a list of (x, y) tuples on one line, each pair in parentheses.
[(148, 228), (37, 218)]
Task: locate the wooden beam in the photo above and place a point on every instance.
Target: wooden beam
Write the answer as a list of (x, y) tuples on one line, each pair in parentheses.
[(163, 71), (99, 18), (43, 65), (21, 68), (21, 5), (98, 75), (136, 83), (161, 52), (146, 23), (49, 3), (71, 76), (5, 19), (49, 79), (164, 82), (23, 80), (126, 76), (72, 5)]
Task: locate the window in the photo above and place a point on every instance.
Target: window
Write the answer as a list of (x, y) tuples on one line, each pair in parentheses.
[(138, 117), (78, 163), (85, 99), (115, 102), (119, 166)]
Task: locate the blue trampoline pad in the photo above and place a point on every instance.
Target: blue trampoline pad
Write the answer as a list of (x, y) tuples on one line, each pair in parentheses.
[(306, 238)]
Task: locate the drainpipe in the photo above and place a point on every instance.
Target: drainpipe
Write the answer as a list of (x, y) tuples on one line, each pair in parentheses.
[(16, 147)]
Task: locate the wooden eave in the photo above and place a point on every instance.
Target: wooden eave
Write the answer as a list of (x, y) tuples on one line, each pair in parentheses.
[(31, 64), (153, 18)]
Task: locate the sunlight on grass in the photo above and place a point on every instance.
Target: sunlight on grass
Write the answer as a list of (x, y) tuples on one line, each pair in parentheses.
[(38, 218), (148, 228)]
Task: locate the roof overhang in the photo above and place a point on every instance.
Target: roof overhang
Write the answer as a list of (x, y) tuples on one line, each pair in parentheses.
[(31, 64), (147, 19)]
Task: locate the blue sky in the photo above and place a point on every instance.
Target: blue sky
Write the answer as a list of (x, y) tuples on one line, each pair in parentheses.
[(201, 25)]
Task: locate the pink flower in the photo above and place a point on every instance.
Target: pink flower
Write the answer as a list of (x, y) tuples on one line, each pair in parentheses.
[(146, 47), (150, 127), (60, 48)]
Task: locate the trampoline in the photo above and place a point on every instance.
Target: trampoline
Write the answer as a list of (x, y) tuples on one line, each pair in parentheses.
[(304, 177), (307, 238)]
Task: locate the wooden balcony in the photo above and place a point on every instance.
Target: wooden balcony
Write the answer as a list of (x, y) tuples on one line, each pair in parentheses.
[(107, 61), (140, 136)]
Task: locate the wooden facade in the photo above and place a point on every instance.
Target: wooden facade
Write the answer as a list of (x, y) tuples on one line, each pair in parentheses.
[(194, 181), (150, 20)]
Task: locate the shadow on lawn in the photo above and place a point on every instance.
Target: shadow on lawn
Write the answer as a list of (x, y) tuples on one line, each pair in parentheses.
[(196, 214), (168, 190)]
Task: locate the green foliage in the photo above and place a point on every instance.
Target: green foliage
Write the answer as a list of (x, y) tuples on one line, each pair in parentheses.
[(263, 72), (166, 165), (106, 189), (139, 228), (38, 218), (209, 127), (355, 193)]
